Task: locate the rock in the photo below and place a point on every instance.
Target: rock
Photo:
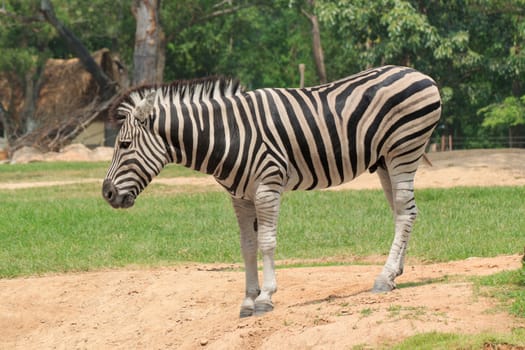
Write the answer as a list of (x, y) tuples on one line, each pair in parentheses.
[(27, 155), (71, 153), (102, 154), (75, 152)]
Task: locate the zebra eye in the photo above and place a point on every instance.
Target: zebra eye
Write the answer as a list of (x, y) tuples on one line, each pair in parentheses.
[(120, 118), (125, 144)]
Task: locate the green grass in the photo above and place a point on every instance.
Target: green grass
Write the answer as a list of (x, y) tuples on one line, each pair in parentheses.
[(51, 171), (508, 287), (72, 228), (446, 341), (452, 224), (68, 228)]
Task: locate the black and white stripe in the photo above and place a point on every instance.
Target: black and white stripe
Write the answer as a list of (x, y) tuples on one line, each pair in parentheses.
[(260, 143)]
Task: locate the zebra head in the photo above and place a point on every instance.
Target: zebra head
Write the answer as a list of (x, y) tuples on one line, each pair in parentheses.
[(140, 152), (143, 148)]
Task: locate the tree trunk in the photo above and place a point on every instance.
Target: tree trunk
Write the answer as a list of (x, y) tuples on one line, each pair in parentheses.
[(13, 117), (316, 44), (301, 75), (5, 124), (30, 94), (106, 85), (148, 60), (318, 50)]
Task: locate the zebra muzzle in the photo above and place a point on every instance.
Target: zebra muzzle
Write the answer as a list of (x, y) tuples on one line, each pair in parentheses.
[(111, 194)]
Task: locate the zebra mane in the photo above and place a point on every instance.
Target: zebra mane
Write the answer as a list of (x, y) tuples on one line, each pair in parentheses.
[(194, 90)]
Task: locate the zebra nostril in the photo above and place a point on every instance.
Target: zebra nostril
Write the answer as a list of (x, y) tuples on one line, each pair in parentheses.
[(108, 190)]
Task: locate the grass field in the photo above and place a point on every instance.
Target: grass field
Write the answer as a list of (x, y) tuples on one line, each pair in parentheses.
[(65, 171), (69, 228)]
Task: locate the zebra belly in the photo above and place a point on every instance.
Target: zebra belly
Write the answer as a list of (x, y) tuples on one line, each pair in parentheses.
[(320, 173)]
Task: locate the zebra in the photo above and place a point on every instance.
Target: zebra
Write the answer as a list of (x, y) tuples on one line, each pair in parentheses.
[(258, 144)]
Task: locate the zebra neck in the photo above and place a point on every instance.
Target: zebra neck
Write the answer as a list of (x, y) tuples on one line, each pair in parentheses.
[(201, 134)]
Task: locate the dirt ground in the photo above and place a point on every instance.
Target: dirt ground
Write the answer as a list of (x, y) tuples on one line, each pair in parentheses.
[(194, 306)]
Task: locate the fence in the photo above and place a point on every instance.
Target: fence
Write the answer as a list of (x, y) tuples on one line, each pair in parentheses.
[(448, 143)]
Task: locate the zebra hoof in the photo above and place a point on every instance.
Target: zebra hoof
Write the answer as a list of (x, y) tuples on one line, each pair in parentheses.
[(262, 308), (246, 312), (382, 286)]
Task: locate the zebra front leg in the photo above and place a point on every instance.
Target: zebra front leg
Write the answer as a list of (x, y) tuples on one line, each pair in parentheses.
[(384, 178), (405, 212), (247, 219), (267, 202)]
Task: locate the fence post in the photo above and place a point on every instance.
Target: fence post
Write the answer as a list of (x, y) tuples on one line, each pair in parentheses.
[(301, 75)]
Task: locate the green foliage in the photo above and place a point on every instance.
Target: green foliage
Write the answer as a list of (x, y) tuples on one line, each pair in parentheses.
[(261, 45), (511, 112), (386, 31), (21, 49), (452, 41), (17, 60)]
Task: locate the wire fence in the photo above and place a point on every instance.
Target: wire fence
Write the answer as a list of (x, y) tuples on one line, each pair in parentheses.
[(448, 143), (107, 137)]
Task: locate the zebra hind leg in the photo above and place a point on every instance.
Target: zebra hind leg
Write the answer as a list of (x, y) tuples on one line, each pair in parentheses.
[(247, 219), (405, 212)]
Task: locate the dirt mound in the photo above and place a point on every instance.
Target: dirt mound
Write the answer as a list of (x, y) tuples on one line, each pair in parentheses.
[(196, 306)]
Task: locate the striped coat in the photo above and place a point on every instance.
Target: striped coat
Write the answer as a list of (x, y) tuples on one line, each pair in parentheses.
[(260, 143)]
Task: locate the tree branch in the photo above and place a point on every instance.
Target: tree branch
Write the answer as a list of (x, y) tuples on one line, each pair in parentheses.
[(231, 9), (107, 86), (307, 15), (223, 12), (21, 19)]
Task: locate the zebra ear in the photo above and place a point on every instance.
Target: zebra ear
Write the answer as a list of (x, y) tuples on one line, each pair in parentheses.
[(145, 106)]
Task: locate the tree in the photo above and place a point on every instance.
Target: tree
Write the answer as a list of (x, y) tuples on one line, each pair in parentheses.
[(259, 42), (262, 43), (379, 32), (148, 56), (19, 62), (107, 87), (479, 67), (30, 33), (27, 40), (509, 115), (317, 47), (452, 41)]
